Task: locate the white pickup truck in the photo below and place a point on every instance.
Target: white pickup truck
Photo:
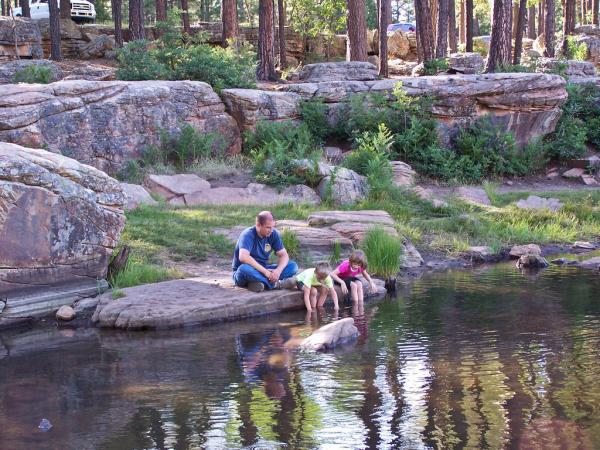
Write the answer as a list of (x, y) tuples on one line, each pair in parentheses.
[(81, 10)]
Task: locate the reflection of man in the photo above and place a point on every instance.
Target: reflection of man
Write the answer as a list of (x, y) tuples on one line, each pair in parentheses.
[(251, 266)]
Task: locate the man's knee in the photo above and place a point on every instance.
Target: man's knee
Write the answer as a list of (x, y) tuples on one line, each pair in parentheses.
[(289, 270)]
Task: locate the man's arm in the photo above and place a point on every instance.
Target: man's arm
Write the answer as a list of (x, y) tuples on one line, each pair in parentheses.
[(283, 260)]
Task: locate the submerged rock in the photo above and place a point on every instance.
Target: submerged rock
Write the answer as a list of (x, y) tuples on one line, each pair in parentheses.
[(532, 261), (530, 249), (336, 333), (65, 313)]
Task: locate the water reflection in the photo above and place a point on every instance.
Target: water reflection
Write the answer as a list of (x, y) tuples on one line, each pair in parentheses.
[(485, 359)]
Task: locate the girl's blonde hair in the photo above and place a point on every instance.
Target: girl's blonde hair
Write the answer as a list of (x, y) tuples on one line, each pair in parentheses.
[(358, 257)]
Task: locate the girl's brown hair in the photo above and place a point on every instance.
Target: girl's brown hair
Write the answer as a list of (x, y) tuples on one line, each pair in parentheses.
[(358, 257)]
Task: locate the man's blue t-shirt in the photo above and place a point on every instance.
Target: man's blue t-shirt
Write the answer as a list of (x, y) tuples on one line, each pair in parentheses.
[(260, 248)]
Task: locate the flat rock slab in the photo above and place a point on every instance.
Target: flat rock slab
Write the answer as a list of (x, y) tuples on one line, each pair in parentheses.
[(474, 195), (592, 263), (326, 218), (188, 302), (535, 202), (329, 336)]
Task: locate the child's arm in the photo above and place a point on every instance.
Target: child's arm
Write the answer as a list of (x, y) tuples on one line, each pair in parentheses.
[(370, 280), (306, 290), (335, 277), (334, 296)]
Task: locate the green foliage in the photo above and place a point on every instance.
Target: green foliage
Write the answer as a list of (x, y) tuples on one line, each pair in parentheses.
[(371, 145), (435, 66), (383, 252), (174, 56), (136, 273), (33, 74), (514, 68), (314, 115), (336, 253), (276, 147), (291, 243), (575, 50)]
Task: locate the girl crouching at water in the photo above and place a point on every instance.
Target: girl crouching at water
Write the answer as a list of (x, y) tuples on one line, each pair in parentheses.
[(346, 276), (317, 280)]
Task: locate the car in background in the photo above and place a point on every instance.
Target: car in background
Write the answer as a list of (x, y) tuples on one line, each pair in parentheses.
[(404, 27), (81, 10)]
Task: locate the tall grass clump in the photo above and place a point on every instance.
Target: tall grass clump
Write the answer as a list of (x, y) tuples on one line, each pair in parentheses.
[(383, 253), (291, 242), (135, 273)]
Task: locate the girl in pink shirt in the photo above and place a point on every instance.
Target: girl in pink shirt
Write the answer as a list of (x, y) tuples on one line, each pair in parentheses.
[(346, 276)]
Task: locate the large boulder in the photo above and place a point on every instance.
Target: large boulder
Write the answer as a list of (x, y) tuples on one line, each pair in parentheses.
[(9, 69), (27, 35), (398, 45), (338, 71), (136, 196), (59, 221), (571, 68), (72, 37), (104, 124), (98, 47), (467, 63), (343, 187), (331, 335)]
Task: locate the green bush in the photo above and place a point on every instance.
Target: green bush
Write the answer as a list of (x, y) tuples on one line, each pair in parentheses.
[(435, 66), (371, 145), (383, 252), (569, 138), (275, 148), (33, 74), (314, 115), (291, 243), (577, 51), (174, 56)]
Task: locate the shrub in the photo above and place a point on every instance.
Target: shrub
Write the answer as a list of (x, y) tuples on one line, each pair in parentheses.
[(33, 74), (291, 242), (569, 138), (383, 252), (575, 50), (314, 115), (370, 146), (136, 273), (138, 62), (434, 66)]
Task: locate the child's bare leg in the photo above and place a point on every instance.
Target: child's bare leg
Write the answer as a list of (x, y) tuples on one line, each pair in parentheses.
[(307, 297), (322, 295), (353, 292), (360, 291), (313, 297)]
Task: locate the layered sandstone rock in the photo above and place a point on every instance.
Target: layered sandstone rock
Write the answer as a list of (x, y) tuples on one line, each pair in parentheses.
[(345, 71), (107, 123), (9, 69), (59, 221), (570, 68), (27, 35), (528, 104), (467, 63)]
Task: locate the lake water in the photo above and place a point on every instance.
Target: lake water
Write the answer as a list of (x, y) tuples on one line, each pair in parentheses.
[(484, 359)]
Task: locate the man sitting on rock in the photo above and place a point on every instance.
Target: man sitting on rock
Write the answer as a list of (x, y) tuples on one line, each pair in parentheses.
[(251, 268)]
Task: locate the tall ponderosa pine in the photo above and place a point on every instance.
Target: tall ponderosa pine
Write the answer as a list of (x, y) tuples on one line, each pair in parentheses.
[(357, 31), (462, 26), (65, 9), (385, 13), (281, 17), (230, 21), (541, 17), (441, 48), (161, 10), (531, 22), (185, 17), (25, 10), (452, 43), (424, 29), (595, 6), (117, 16), (136, 20), (265, 70), (549, 29), (54, 24), (500, 43), (568, 24), (469, 25), (520, 29)]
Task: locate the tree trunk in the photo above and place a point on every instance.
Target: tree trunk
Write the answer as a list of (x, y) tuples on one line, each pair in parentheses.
[(230, 22), (161, 10), (549, 29), (469, 25), (531, 22), (116, 7), (433, 7), (424, 30), (25, 10), (568, 25), (515, 19), (281, 14), (583, 12), (265, 69), (54, 24), (65, 9), (499, 53), (136, 20), (595, 6), (385, 7), (185, 17), (520, 30), (541, 17), (3, 8), (357, 31), (441, 48), (462, 29), (452, 26)]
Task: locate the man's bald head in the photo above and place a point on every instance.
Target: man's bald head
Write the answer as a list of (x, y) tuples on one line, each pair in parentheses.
[(265, 223), (264, 217)]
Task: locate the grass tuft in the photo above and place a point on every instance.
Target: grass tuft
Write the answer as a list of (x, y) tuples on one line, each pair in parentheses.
[(383, 252)]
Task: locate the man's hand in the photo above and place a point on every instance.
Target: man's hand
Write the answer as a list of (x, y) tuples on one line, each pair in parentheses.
[(274, 275)]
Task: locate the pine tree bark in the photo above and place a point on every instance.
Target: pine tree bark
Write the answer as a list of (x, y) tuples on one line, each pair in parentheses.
[(3, 8), (568, 24), (161, 10), (281, 15), (357, 31), (595, 6), (117, 13), (441, 48), (424, 31), (54, 23), (520, 29), (185, 17), (136, 20), (515, 19), (531, 22), (452, 43), (25, 10), (65, 9), (462, 29), (385, 9), (469, 25), (265, 69), (549, 29), (500, 43), (433, 7)]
